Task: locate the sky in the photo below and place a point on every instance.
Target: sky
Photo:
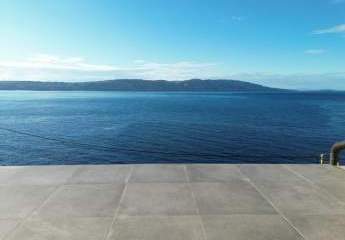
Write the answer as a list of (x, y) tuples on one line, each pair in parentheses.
[(297, 44)]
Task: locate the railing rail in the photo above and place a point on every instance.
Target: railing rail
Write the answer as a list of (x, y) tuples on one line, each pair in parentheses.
[(335, 152)]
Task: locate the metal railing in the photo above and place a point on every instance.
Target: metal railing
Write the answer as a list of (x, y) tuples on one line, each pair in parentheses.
[(335, 152)]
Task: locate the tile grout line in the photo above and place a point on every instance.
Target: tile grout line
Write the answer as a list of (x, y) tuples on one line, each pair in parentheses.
[(23, 220), (312, 183), (58, 188), (116, 212), (6, 235), (196, 203), (274, 207), (76, 171)]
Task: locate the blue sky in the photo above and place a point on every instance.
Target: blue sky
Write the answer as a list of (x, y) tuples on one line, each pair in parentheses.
[(291, 44)]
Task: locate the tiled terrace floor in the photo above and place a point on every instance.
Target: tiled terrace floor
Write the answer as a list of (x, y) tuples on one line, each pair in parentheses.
[(172, 202)]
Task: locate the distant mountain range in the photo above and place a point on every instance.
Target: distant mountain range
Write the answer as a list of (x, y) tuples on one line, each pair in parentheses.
[(137, 85)]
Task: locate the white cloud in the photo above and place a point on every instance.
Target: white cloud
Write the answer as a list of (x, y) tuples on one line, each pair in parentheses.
[(44, 61), (312, 81), (315, 51), (238, 18), (336, 29), (337, 1), (53, 68)]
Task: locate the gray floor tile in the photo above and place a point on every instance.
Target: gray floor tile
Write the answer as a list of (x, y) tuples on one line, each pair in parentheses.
[(7, 225), (329, 178), (42, 175), (158, 173), (159, 206), (101, 174), (213, 172), (230, 198), (321, 227), (19, 201), (98, 200), (335, 188), (269, 173), (63, 229), (6, 172), (158, 199), (318, 173), (157, 228), (248, 227), (301, 198), (290, 193)]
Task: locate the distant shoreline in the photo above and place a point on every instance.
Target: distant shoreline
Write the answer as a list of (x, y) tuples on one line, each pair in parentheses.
[(140, 85)]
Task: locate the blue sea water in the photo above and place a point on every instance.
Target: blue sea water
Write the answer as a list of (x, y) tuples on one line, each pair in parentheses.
[(173, 127)]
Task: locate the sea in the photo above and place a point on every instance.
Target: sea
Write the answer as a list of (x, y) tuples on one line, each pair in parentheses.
[(71, 127)]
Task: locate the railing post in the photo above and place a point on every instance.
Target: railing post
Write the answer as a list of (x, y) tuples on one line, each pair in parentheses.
[(322, 158), (335, 150)]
